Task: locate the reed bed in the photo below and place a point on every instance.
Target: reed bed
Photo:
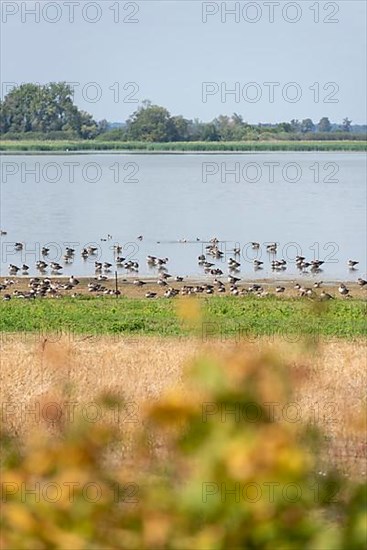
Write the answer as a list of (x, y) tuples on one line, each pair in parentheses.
[(210, 147)]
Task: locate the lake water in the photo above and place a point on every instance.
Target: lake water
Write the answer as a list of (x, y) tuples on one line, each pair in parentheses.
[(312, 204)]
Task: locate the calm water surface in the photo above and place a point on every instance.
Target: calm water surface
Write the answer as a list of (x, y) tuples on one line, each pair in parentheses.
[(312, 204)]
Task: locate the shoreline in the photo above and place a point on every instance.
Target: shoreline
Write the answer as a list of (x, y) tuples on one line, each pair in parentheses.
[(32, 147), (128, 289)]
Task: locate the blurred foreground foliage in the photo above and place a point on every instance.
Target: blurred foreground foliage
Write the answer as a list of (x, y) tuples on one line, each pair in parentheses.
[(174, 488)]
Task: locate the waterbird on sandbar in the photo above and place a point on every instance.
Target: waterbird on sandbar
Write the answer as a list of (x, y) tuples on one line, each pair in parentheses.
[(343, 289), (361, 282), (150, 294), (73, 281), (326, 296), (138, 282), (318, 284), (255, 288), (306, 292), (233, 280), (170, 293), (280, 289)]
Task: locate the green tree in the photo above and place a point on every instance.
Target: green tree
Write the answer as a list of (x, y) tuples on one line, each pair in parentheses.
[(346, 124), (307, 126), (181, 128), (296, 125), (324, 125), (151, 123), (209, 132), (47, 108)]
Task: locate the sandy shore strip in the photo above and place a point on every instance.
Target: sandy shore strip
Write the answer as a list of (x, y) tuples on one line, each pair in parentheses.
[(128, 289)]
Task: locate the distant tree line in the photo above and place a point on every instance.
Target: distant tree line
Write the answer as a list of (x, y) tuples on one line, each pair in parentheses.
[(48, 112), (47, 109)]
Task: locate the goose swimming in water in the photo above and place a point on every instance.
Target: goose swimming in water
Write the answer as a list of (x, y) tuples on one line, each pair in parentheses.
[(92, 249), (272, 247)]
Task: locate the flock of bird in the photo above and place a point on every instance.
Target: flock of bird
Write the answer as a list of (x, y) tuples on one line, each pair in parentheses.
[(43, 285)]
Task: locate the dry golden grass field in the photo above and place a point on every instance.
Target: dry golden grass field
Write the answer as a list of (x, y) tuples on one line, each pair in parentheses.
[(45, 383)]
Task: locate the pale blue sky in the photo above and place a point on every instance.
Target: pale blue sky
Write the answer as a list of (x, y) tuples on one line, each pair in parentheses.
[(170, 52)]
